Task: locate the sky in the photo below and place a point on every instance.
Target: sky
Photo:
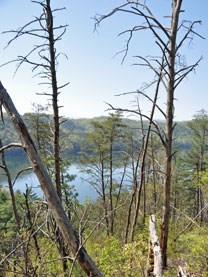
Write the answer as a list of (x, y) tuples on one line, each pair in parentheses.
[(93, 67)]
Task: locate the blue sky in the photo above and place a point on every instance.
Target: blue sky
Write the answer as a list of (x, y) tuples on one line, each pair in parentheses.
[(95, 73)]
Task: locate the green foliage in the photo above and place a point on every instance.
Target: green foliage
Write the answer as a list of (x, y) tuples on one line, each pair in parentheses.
[(115, 259), (192, 248), (112, 256), (8, 226), (75, 130), (198, 153)]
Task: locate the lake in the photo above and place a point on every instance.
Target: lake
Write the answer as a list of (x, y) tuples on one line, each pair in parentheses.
[(82, 187)]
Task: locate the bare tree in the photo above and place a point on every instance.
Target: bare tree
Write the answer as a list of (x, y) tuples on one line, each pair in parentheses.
[(170, 71), (43, 58)]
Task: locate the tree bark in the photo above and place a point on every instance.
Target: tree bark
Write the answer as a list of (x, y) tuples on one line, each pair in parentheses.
[(55, 93), (62, 221), (11, 189), (155, 255), (176, 6)]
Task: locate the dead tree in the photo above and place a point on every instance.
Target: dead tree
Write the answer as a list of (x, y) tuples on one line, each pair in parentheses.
[(43, 58), (155, 255), (173, 72), (53, 201)]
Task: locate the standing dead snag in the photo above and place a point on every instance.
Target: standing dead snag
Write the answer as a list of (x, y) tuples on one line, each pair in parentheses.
[(169, 40), (62, 221), (44, 58), (155, 255)]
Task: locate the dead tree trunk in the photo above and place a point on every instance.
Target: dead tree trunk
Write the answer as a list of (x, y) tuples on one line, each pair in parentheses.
[(171, 84), (11, 189), (155, 256), (55, 93), (145, 148), (62, 221), (173, 72)]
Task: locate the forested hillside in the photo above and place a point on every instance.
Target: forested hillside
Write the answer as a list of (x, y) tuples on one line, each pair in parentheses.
[(112, 179), (75, 131), (150, 177)]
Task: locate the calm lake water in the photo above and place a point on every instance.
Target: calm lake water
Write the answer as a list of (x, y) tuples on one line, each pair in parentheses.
[(82, 187)]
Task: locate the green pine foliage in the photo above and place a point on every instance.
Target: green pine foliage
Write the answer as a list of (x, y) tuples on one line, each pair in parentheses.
[(32, 250)]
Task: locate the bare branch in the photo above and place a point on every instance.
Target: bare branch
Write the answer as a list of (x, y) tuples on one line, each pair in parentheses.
[(20, 172), (19, 32), (157, 71), (99, 18), (151, 17), (139, 114), (64, 85), (153, 27), (149, 98), (192, 221), (190, 30), (188, 70), (148, 17), (10, 145)]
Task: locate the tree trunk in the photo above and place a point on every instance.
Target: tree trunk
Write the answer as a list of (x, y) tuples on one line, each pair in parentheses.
[(155, 256), (176, 6), (103, 190), (111, 185), (62, 221), (55, 93), (144, 152), (11, 189), (31, 225), (56, 117)]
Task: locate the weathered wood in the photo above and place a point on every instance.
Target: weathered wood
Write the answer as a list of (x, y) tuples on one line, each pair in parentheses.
[(181, 272), (54, 204), (155, 255)]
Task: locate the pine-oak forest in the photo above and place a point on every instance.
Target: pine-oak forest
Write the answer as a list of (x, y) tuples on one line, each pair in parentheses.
[(149, 216)]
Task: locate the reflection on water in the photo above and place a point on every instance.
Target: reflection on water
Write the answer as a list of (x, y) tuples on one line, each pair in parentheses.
[(29, 179)]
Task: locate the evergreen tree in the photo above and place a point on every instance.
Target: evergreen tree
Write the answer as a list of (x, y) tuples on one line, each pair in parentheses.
[(103, 158)]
